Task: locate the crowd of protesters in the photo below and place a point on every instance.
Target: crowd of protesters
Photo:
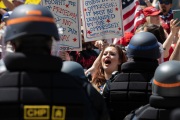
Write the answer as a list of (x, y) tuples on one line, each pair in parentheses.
[(107, 65)]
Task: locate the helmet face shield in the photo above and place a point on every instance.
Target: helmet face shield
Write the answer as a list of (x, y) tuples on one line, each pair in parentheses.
[(55, 49), (5, 48)]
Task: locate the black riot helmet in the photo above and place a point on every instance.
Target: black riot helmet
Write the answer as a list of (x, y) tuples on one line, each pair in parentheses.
[(30, 20), (143, 45), (166, 80), (74, 69)]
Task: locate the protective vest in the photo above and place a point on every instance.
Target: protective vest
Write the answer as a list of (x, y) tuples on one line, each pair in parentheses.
[(129, 89), (159, 108), (39, 91)]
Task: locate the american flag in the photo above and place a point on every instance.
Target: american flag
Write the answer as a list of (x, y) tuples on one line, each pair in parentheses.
[(132, 15)]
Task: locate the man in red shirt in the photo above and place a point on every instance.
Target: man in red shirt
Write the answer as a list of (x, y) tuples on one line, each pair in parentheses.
[(165, 6)]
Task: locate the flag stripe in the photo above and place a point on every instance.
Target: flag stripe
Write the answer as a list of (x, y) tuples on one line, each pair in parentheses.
[(132, 15), (129, 24), (129, 19), (129, 13)]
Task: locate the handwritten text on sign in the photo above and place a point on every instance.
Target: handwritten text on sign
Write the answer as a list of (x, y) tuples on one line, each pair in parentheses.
[(67, 16), (102, 19)]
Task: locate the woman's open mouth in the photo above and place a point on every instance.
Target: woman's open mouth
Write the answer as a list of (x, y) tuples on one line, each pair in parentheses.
[(107, 62)]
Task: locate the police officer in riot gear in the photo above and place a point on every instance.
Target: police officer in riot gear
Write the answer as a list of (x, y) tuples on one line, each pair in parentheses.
[(32, 86), (76, 70), (165, 95), (130, 89)]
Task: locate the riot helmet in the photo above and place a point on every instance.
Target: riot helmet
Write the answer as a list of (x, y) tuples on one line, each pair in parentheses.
[(30, 20), (166, 81), (143, 45), (74, 69)]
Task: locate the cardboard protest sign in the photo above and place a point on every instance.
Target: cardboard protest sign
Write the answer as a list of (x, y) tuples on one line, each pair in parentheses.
[(36, 2), (67, 16), (26, 2), (2, 5), (102, 19)]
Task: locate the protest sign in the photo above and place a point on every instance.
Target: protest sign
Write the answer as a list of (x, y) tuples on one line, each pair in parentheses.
[(27, 2), (2, 5), (102, 19), (67, 16), (36, 2)]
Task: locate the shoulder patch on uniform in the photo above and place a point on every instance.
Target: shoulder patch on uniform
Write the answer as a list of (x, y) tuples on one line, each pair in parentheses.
[(58, 112), (36, 112)]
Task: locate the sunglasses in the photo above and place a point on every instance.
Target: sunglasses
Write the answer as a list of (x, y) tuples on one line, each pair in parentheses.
[(164, 2)]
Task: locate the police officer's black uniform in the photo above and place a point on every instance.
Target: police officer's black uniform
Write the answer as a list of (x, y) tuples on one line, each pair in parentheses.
[(165, 94), (131, 88), (32, 87)]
